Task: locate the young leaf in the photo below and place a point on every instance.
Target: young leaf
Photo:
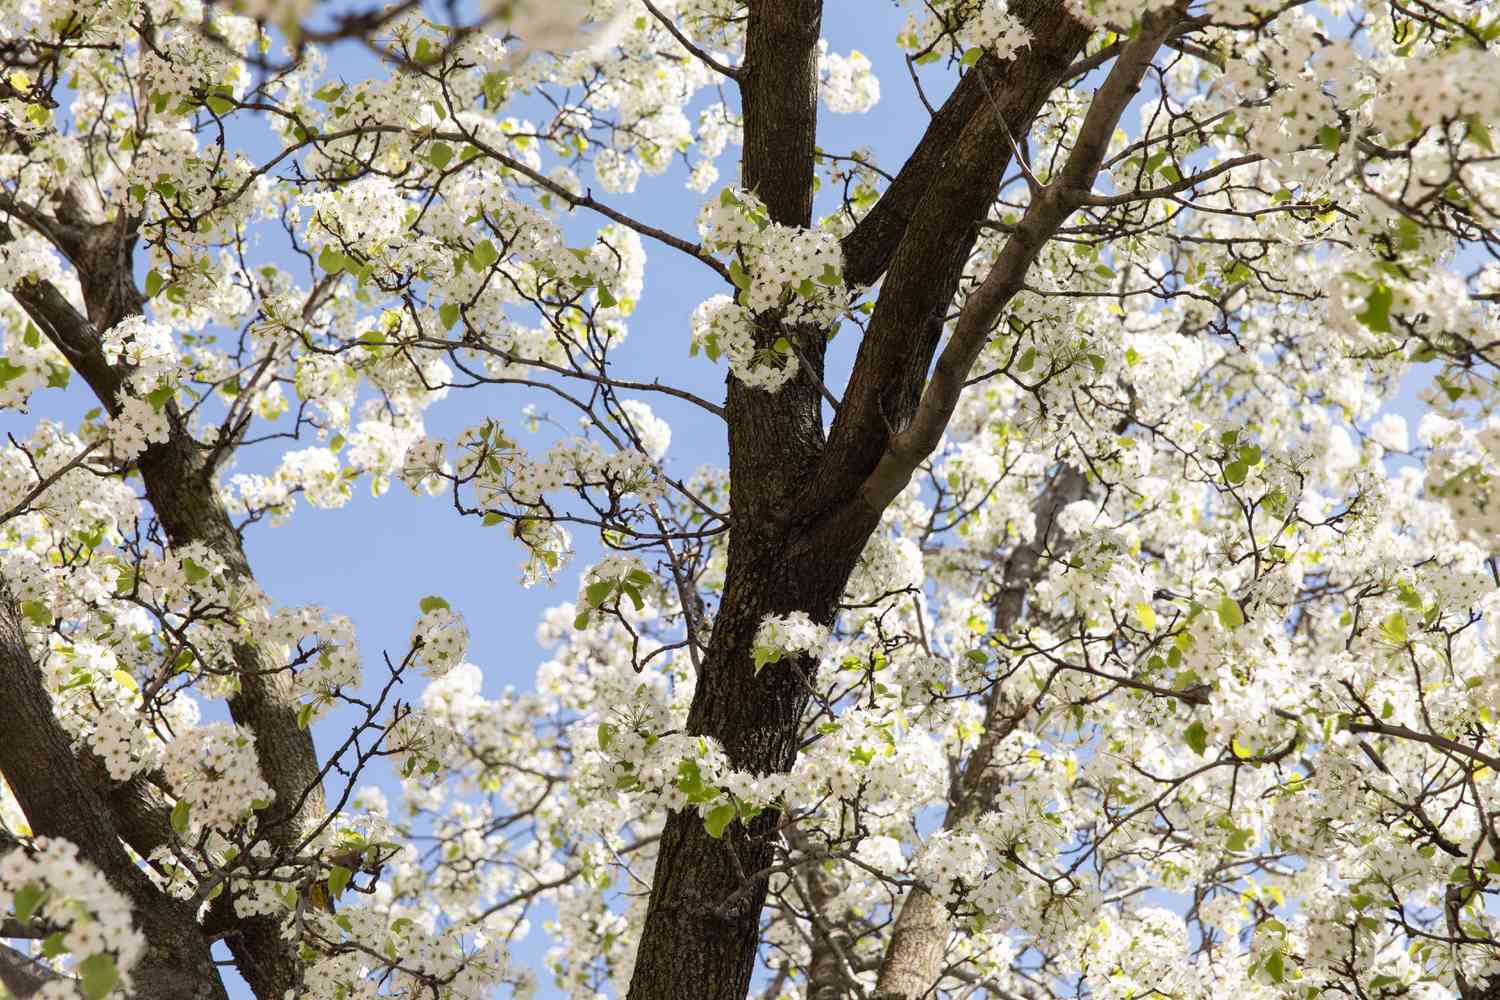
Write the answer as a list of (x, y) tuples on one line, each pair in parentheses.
[(1230, 614), (338, 880), (718, 819), (26, 901), (1197, 737), (97, 975), (180, 813)]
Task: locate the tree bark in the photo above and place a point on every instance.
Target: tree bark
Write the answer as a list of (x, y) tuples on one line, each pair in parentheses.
[(703, 921), (177, 964), (181, 488), (896, 353), (797, 530)]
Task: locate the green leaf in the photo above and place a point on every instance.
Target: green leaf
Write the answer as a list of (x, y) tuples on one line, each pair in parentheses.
[(329, 92), (1027, 360), (1230, 614), (338, 880), (432, 603), (332, 260), (1275, 965), (783, 345), (304, 715), (154, 283), (1393, 629), (1479, 132), (718, 818), (1197, 737), (37, 613), (10, 370), (605, 734), (448, 314), (194, 572), (439, 153), (54, 945), (690, 783), (219, 104), (180, 813), (598, 592), (1377, 314), (158, 398), (1147, 615), (764, 656), (484, 255), (97, 975), (1235, 472), (27, 899), (1329, 137), (635, 596), (739, 275), (581, 620), (607, 298)]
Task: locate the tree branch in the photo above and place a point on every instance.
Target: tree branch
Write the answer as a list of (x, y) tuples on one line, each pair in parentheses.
[(869, 248), (924, 273), (1046, 212), (687, 43)]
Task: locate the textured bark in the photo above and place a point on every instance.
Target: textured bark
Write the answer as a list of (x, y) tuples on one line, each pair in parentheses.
[(891, 367), (180, 486), (177, 964), (916, 418), (868, 249), (796, 531), (703, 921), (20, 975)]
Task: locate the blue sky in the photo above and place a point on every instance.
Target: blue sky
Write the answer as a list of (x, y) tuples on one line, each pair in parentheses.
[(375, 558)]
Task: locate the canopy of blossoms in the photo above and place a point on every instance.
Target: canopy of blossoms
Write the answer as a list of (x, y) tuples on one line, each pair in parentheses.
[(1071, 611)]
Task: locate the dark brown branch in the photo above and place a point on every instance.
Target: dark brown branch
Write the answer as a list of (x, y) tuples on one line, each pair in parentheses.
[(1046, 212)]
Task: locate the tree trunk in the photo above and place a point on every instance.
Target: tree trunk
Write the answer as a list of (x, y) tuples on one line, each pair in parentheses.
[(919, 942), (181, 488), (177, 964), (797, 525)]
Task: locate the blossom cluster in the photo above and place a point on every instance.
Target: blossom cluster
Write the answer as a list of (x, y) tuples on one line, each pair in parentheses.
[(214, 770), (47, 882)]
